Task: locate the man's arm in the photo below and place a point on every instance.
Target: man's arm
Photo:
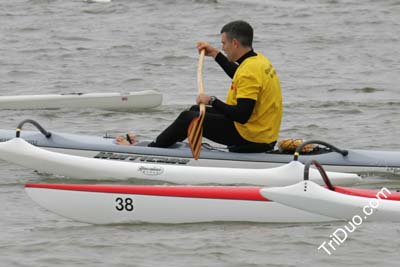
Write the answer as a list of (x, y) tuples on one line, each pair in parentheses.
[(228, 66), (240, 113)]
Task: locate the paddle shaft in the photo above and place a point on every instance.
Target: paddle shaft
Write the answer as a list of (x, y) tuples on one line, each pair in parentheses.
[(200, 79)]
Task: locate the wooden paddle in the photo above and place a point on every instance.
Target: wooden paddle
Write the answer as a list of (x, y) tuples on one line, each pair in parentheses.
[(195, 130)]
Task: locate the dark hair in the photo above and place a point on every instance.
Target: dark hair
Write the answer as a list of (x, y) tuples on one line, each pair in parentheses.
[(240, 30)]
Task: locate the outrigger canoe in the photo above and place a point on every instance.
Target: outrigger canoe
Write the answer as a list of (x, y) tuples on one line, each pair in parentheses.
[(333, 159), (115, 204), (110, 204), (20, 152), (356, 205), (109, 101)]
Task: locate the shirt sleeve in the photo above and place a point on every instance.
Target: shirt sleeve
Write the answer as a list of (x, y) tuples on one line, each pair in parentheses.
[(240, 113)]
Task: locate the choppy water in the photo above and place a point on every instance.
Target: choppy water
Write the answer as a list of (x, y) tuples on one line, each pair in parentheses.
[(338, 62)]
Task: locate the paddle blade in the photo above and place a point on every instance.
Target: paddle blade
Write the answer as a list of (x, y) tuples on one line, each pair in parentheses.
[(195, 135)]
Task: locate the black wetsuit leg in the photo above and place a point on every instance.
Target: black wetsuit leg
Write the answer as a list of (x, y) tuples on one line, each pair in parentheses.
[(216, 127)]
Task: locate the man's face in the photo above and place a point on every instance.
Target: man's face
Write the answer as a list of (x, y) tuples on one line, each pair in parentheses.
[(228, 47)]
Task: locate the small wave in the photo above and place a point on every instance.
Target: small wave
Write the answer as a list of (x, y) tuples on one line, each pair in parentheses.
[(206, 1), (329, 104), (73, 38), (36, 51), (127, 47), (313, 126), (325, 104), (295, 129), (367, 90), (340, 107), (344, 104), (171, 57), (152, 64), (393, 103), (98, 10), (132, 80), (28, 29), (21, 73), (97, 1), (41, 1)]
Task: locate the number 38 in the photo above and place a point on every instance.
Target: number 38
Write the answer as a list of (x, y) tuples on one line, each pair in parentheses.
[(124, 204)]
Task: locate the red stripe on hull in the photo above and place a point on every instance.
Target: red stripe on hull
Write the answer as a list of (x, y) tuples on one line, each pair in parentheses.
[(212, 192), (393, 195)]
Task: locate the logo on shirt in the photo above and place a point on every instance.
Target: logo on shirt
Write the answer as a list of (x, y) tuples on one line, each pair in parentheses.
[(270, 71)]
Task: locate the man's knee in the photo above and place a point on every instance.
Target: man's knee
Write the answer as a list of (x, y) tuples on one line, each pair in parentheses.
[(194, 108), (188, 115)]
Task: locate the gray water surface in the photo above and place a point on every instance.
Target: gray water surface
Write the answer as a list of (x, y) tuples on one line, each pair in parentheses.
[(338, 62)]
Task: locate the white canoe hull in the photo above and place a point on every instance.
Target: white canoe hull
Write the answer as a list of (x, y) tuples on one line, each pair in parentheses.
[(114, 208), (357, 161), (308, 196), (109, 101), (20, 152)]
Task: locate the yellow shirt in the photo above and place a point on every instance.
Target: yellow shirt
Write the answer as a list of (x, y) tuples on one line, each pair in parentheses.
[(256, 79)]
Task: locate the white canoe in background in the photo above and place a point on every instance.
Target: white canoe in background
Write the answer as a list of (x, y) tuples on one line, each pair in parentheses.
[(352, 204), (111, 204), (108, 101), (20, 152)]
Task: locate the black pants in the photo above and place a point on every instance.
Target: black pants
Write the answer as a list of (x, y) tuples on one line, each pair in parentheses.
[(216, 127)]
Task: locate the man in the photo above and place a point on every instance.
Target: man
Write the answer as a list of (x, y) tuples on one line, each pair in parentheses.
[(250, 119)]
